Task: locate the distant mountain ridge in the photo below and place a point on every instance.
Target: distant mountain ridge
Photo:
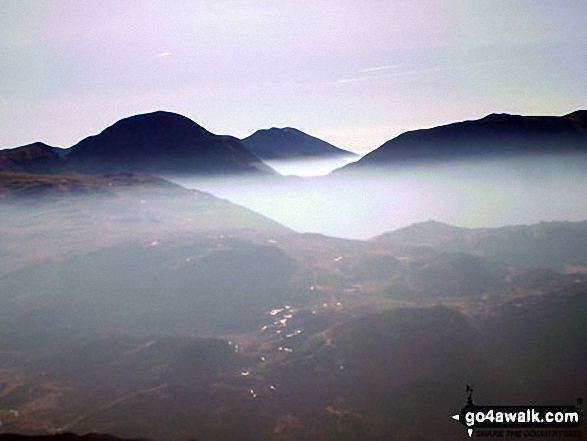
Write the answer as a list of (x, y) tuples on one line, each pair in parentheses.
[(289, 143), (165, 143), (18, 185), (159, 143), (547, 244), (496, 135)]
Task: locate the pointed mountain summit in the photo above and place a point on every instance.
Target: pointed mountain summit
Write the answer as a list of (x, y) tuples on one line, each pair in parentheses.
[(162, 143), (289, 143), (496, 135)]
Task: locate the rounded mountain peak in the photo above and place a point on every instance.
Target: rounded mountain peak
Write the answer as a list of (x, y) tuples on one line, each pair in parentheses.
[(158, 120), (161, 142)]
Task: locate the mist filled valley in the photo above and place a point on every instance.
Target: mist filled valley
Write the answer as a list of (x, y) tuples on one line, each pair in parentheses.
[(160, 281), (361, 204), (352, 306), (293, 221)]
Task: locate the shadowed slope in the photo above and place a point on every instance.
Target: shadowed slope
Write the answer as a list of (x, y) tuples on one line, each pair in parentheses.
[(493, 136)]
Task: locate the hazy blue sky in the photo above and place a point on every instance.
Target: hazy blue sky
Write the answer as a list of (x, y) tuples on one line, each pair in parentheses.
[(355, 73)]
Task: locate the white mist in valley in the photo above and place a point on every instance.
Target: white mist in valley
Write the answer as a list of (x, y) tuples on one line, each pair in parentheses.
[(309, 167), (363, 204)]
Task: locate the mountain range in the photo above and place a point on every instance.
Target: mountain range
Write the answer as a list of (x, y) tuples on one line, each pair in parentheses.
[(165, 143), (162, 143)]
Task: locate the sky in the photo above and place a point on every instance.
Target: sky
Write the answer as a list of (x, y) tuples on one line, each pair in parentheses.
[(354, 73)]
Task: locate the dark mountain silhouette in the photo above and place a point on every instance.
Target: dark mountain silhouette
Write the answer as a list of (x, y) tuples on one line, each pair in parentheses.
[(495, 135), (162, 143), (289, 143), (578, 117), (33, 158)]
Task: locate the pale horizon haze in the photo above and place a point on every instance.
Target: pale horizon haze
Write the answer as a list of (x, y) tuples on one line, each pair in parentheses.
[(355, 74)]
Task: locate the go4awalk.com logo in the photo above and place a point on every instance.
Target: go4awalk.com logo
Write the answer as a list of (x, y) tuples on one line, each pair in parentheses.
[(520, 421)]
